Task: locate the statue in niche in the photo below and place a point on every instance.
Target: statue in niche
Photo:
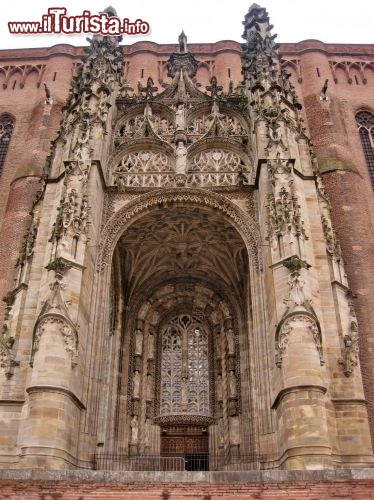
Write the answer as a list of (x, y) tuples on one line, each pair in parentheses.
[(147, 432), (221, 432), (232, 384), (136, 384), (230, 340), (149, 388), (180, 117), (134, 429), (148, 111), (181, 159), (296, 295), (151, 342), (138, 342)]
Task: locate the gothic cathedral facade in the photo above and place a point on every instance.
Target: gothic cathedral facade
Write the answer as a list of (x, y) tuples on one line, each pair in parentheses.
[(174, 286)]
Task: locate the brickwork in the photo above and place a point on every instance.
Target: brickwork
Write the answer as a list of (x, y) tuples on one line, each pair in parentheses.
[(14, 227), (196, 487)]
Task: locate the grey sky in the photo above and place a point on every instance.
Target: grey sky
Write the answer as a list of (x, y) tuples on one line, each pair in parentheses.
[(204, 20)]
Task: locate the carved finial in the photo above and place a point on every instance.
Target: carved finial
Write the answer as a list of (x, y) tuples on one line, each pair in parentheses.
[(323, 96), (111, 11), (182, 40), (214, 88)]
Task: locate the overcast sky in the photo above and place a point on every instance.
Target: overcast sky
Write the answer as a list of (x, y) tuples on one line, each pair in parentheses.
[(203, 20)]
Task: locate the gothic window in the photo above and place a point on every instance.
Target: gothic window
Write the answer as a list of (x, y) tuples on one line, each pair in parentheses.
[(365, 122), (6, 129), (184, 368)]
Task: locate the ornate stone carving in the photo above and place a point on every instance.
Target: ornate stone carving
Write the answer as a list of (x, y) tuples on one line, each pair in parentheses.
[(142, 169), (72, 215), (180, 62), (296, 295), (284, 214), (134, 425), (273, 99), (285, 328), (68, 333), (27, 249), (117, 224), (60, 266), (332, 241), (180, 117), (136, 384), (350, 353), (279, 169), (54, 313), (7, 361)]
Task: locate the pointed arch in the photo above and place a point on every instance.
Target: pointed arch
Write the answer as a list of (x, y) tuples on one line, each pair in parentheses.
[(365, 124), (6, 131)]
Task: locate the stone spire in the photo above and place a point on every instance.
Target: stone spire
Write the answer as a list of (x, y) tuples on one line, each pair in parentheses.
[(182, 40), (272, 97)]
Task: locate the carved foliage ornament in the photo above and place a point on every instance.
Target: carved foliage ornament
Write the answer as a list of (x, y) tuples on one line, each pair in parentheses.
[(27, 249), (284, 215), (67, 330), (284, 330), (73, 210)]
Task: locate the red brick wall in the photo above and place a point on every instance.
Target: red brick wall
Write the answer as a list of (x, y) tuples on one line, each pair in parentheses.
[(298, 490)]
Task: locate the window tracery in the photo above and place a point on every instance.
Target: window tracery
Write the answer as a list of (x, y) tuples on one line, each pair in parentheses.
[(6, 130), (365, 123), (184, 368)]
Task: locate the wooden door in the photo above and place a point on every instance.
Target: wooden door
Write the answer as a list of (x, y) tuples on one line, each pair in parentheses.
[(187, 441)]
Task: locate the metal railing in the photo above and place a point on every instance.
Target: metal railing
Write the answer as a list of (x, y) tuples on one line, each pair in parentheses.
[(176, 463)]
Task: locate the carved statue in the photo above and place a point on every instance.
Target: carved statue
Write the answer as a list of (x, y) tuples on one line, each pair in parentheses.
[(134, 429), (230, 340), (181, 158), (350, 354), (221, 432), (149, 388), (150, 345), (297, 295), (147, 432), (136, 384), (180, 117), (138, 342), (148, 111)]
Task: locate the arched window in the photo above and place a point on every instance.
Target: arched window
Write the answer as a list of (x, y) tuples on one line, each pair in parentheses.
[(6, 129), (365, 122), (184, 368)]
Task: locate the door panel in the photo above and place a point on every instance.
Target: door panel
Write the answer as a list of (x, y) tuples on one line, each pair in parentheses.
[(189, 442)]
